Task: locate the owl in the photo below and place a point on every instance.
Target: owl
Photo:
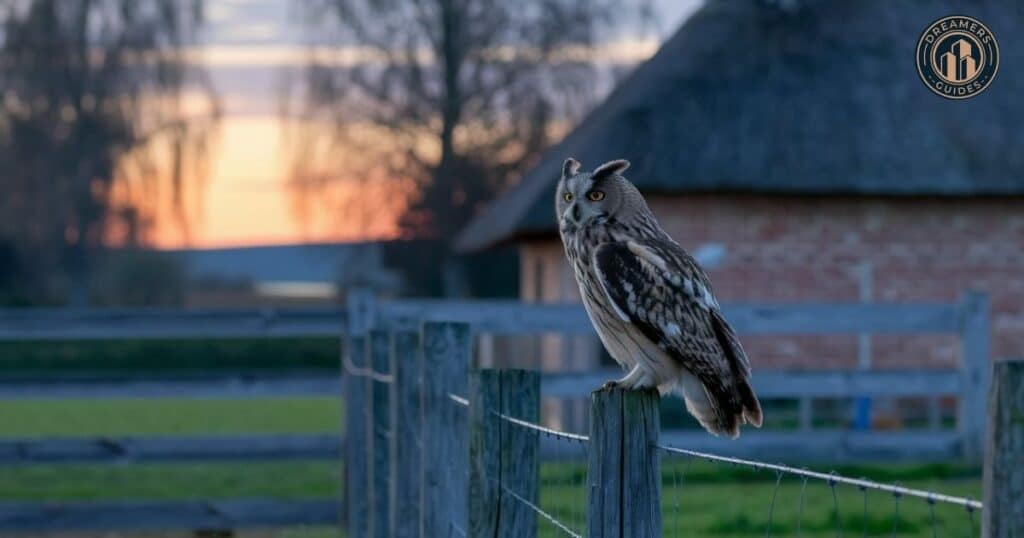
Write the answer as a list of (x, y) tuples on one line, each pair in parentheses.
[(649, 301)]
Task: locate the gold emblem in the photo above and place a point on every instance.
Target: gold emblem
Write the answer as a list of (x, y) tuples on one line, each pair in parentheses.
[(957, 57)]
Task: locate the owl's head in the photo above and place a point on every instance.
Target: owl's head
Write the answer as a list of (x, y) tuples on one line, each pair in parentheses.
[(586, 198)]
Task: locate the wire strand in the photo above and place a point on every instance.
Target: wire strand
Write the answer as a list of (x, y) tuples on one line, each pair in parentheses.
[(831, 479), (362, 371), (554, 521), (537, 427), (937, 497), (459, 399)]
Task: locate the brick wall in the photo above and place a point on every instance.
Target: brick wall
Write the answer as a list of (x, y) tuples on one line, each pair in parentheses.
[(792, 249), (817, 249)]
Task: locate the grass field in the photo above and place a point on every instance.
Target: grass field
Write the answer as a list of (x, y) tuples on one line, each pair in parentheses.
[(721, 501), (168, 416), (703, 500)]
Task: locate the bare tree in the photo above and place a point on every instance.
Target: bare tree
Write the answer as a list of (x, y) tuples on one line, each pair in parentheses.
[(443, 100), (93, 116)]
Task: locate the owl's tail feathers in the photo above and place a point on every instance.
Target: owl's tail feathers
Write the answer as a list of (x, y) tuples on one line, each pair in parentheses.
[(720, 413), (751, 406), (716, 411)]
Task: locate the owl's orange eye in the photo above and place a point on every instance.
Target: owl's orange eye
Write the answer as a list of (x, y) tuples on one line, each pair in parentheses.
[(595, 196), (567, 197)]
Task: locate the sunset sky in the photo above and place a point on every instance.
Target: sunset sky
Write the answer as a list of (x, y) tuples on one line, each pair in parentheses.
[(250, 49)]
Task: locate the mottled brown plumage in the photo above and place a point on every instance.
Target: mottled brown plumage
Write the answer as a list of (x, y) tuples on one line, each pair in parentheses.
[(651, 304)]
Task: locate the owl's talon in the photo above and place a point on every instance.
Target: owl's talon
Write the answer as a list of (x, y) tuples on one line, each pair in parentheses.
[(609, 385)]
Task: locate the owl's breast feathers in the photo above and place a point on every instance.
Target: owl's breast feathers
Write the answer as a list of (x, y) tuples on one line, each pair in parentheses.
[(658, 287)]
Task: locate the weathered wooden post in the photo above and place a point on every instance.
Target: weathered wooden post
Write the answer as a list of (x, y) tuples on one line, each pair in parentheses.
[(1003, 515), (446, 355), (355, 360), (624, 467), (381, 439), (502, 454), (975, 365), (406, 463)]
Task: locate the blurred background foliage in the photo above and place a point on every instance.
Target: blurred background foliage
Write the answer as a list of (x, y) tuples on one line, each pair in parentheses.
[(94, 124)]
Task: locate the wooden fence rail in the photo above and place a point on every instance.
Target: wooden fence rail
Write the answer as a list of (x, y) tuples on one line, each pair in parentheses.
[(399, 389), (494, 316), (136, 323), (205, 385), (624, 449), (122, 450), (38, 517)]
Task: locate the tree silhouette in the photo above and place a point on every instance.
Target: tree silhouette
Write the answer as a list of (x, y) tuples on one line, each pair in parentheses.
[(93, 117), (444, 101)]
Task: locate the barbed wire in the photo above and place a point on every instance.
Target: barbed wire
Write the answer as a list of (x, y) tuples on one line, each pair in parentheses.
[(832, 478)]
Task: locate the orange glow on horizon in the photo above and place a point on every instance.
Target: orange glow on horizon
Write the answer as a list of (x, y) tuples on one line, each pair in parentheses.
[(246, 199)]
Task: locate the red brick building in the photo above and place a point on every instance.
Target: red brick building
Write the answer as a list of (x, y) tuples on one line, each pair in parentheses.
[(798, 155)]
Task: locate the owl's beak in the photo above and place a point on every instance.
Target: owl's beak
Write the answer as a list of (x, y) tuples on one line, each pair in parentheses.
[(572, 214)]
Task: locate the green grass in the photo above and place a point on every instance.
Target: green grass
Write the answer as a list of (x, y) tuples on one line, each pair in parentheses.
[(699, 499), (170, 481), (721, 501), (168, 416)]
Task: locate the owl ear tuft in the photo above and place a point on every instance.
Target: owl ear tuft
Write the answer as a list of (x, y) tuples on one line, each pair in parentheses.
[(570, 167), (610, 168)]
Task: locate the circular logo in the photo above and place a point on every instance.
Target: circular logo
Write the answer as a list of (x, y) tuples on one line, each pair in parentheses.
[(957, 57)]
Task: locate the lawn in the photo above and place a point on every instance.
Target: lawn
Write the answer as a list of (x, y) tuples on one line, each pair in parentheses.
[(168, 416), (699, 499), (720, 501)]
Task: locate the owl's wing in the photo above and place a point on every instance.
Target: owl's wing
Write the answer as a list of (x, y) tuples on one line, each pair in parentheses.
[(661, 290)]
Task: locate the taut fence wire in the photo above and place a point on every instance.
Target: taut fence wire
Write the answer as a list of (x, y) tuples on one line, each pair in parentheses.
[(831, 479), (930, 496), (551, 516), (571, 524), (487, 462), (368, 372), (541, 512), (859, 520)]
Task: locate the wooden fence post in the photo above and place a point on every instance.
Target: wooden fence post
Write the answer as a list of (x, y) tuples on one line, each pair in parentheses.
[(975, 365), (624, 467), (502, 454), (1003, 515), (407, 465), (359, 310), (446, 354), (381, 439)]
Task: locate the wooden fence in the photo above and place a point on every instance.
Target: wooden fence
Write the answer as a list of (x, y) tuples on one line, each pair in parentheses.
[(462, 448), (389, 333), (968, 319)]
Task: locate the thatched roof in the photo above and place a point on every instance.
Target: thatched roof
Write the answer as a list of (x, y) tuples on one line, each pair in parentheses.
[(747, 97)]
